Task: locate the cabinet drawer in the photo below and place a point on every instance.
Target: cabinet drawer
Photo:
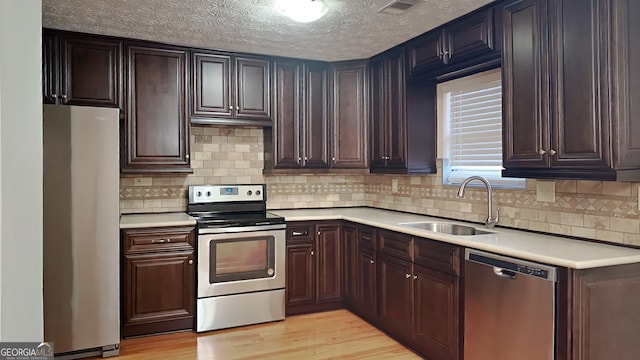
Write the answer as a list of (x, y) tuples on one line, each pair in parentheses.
[(396, 245), (367, 238), (300, 232), (437, 255), (158, 239)]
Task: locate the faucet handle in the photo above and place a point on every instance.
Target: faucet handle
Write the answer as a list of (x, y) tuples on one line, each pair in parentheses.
[(491, 222)]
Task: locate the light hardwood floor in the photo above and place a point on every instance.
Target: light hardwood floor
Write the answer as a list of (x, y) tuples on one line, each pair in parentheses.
[(328, 335)]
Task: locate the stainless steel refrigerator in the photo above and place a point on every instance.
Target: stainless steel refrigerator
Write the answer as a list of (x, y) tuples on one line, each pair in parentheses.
[(81, 230)]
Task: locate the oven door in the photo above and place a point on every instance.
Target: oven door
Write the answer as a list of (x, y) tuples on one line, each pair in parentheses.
[(240, 260)]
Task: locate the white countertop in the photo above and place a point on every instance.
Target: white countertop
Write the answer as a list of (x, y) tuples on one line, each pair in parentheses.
[(547, 249), (131, 221)]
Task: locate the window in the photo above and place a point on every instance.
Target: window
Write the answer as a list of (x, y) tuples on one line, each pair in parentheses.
[(470, 129)]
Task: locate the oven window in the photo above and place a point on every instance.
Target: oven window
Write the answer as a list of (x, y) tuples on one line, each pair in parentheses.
[(241, 259)]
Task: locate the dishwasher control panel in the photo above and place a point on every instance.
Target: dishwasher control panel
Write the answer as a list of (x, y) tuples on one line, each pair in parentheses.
[(511, 265)]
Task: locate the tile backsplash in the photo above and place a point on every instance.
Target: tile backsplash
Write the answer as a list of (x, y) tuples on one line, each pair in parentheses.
[(592, 209)]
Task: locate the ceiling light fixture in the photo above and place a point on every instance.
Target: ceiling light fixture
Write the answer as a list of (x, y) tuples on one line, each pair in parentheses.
[(303, 10)]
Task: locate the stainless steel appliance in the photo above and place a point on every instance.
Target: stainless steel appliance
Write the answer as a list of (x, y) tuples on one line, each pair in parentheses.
[(240, 255), (81, 231), (509, 308)]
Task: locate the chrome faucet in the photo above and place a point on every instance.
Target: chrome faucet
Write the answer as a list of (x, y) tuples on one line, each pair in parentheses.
[(491, 222)]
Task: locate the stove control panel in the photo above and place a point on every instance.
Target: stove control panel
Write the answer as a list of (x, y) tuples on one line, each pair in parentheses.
[(199, 194)]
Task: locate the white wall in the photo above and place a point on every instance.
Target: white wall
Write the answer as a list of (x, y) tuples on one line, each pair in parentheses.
[(21, 314)]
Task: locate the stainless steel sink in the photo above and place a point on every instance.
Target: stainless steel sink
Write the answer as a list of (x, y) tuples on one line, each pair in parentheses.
[(446, 228)]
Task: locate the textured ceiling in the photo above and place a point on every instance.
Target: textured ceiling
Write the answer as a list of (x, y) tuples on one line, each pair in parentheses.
[(352, 29)]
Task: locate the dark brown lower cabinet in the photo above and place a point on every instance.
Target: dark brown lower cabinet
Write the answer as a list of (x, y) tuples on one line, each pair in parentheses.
[(598, 317), (158, 280), (436, 313), (314, 267), (395, 296), (300, 275), (366, 284)]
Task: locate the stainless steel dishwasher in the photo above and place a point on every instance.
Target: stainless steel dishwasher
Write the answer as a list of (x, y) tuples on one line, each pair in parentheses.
[(509, 308)]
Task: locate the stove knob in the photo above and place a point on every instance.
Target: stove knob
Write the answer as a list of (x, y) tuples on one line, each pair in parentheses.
[(199, 193), (249, 192), (258, 192), (208, 193)]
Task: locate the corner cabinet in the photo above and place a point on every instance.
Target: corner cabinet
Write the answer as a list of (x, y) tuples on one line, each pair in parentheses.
[(229, 89), (156, 131), (81, 69), (314, 267), (403, 113), (158, 280), (571, 89)]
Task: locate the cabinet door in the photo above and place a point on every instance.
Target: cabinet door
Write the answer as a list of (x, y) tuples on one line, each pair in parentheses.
[(524, 86), (91, 71), (366, 283), (158, 293), (316, 118), (328, 260), (395, 88), (287, 126), (470, 37), (395, 296), (253, 91), (379, 124), (351, 273), (50, 67), (437, 320), (156, 130), (301, 274), (426, 52), (349, 117), (211, 85), (579, 95)]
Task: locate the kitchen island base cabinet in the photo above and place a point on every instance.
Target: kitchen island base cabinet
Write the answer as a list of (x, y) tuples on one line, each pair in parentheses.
[(158, 280), (314, 268)]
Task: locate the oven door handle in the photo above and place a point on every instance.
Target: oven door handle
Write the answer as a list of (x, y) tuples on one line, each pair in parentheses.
[(237, 229)]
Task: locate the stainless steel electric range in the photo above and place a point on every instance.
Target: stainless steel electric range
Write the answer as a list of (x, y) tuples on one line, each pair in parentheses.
[(240, 255)]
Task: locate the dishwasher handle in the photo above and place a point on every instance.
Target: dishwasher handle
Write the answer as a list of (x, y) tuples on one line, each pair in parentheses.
[(510, 267), (504, 273)]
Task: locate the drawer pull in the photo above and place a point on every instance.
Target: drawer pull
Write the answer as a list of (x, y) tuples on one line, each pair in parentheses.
[(407, 276), (160, 241), (190, 262), (371, 261), (299, 233)]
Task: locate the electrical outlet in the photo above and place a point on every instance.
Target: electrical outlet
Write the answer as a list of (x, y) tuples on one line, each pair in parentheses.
[(394, 185), (546, 191)]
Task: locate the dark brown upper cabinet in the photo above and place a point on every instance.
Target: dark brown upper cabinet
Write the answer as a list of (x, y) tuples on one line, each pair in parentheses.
[(230, 89), (81, 69), (469, 37), (156, 131), (349, 114), (402, 118), (301, 121), (571, 90)]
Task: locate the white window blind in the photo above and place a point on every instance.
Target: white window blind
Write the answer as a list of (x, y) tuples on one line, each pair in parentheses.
[(472, 122)]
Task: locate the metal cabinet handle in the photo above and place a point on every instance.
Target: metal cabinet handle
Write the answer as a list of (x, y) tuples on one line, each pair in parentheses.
[(552, 152), (187, 156), (190, 262), (312, 252), (54, 96), (237, 107), (160, 241), (371, 261), (298, 233), (542, 152), (64, 96), (305, 158), (415, 277), (318, 233), (407, 276)]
